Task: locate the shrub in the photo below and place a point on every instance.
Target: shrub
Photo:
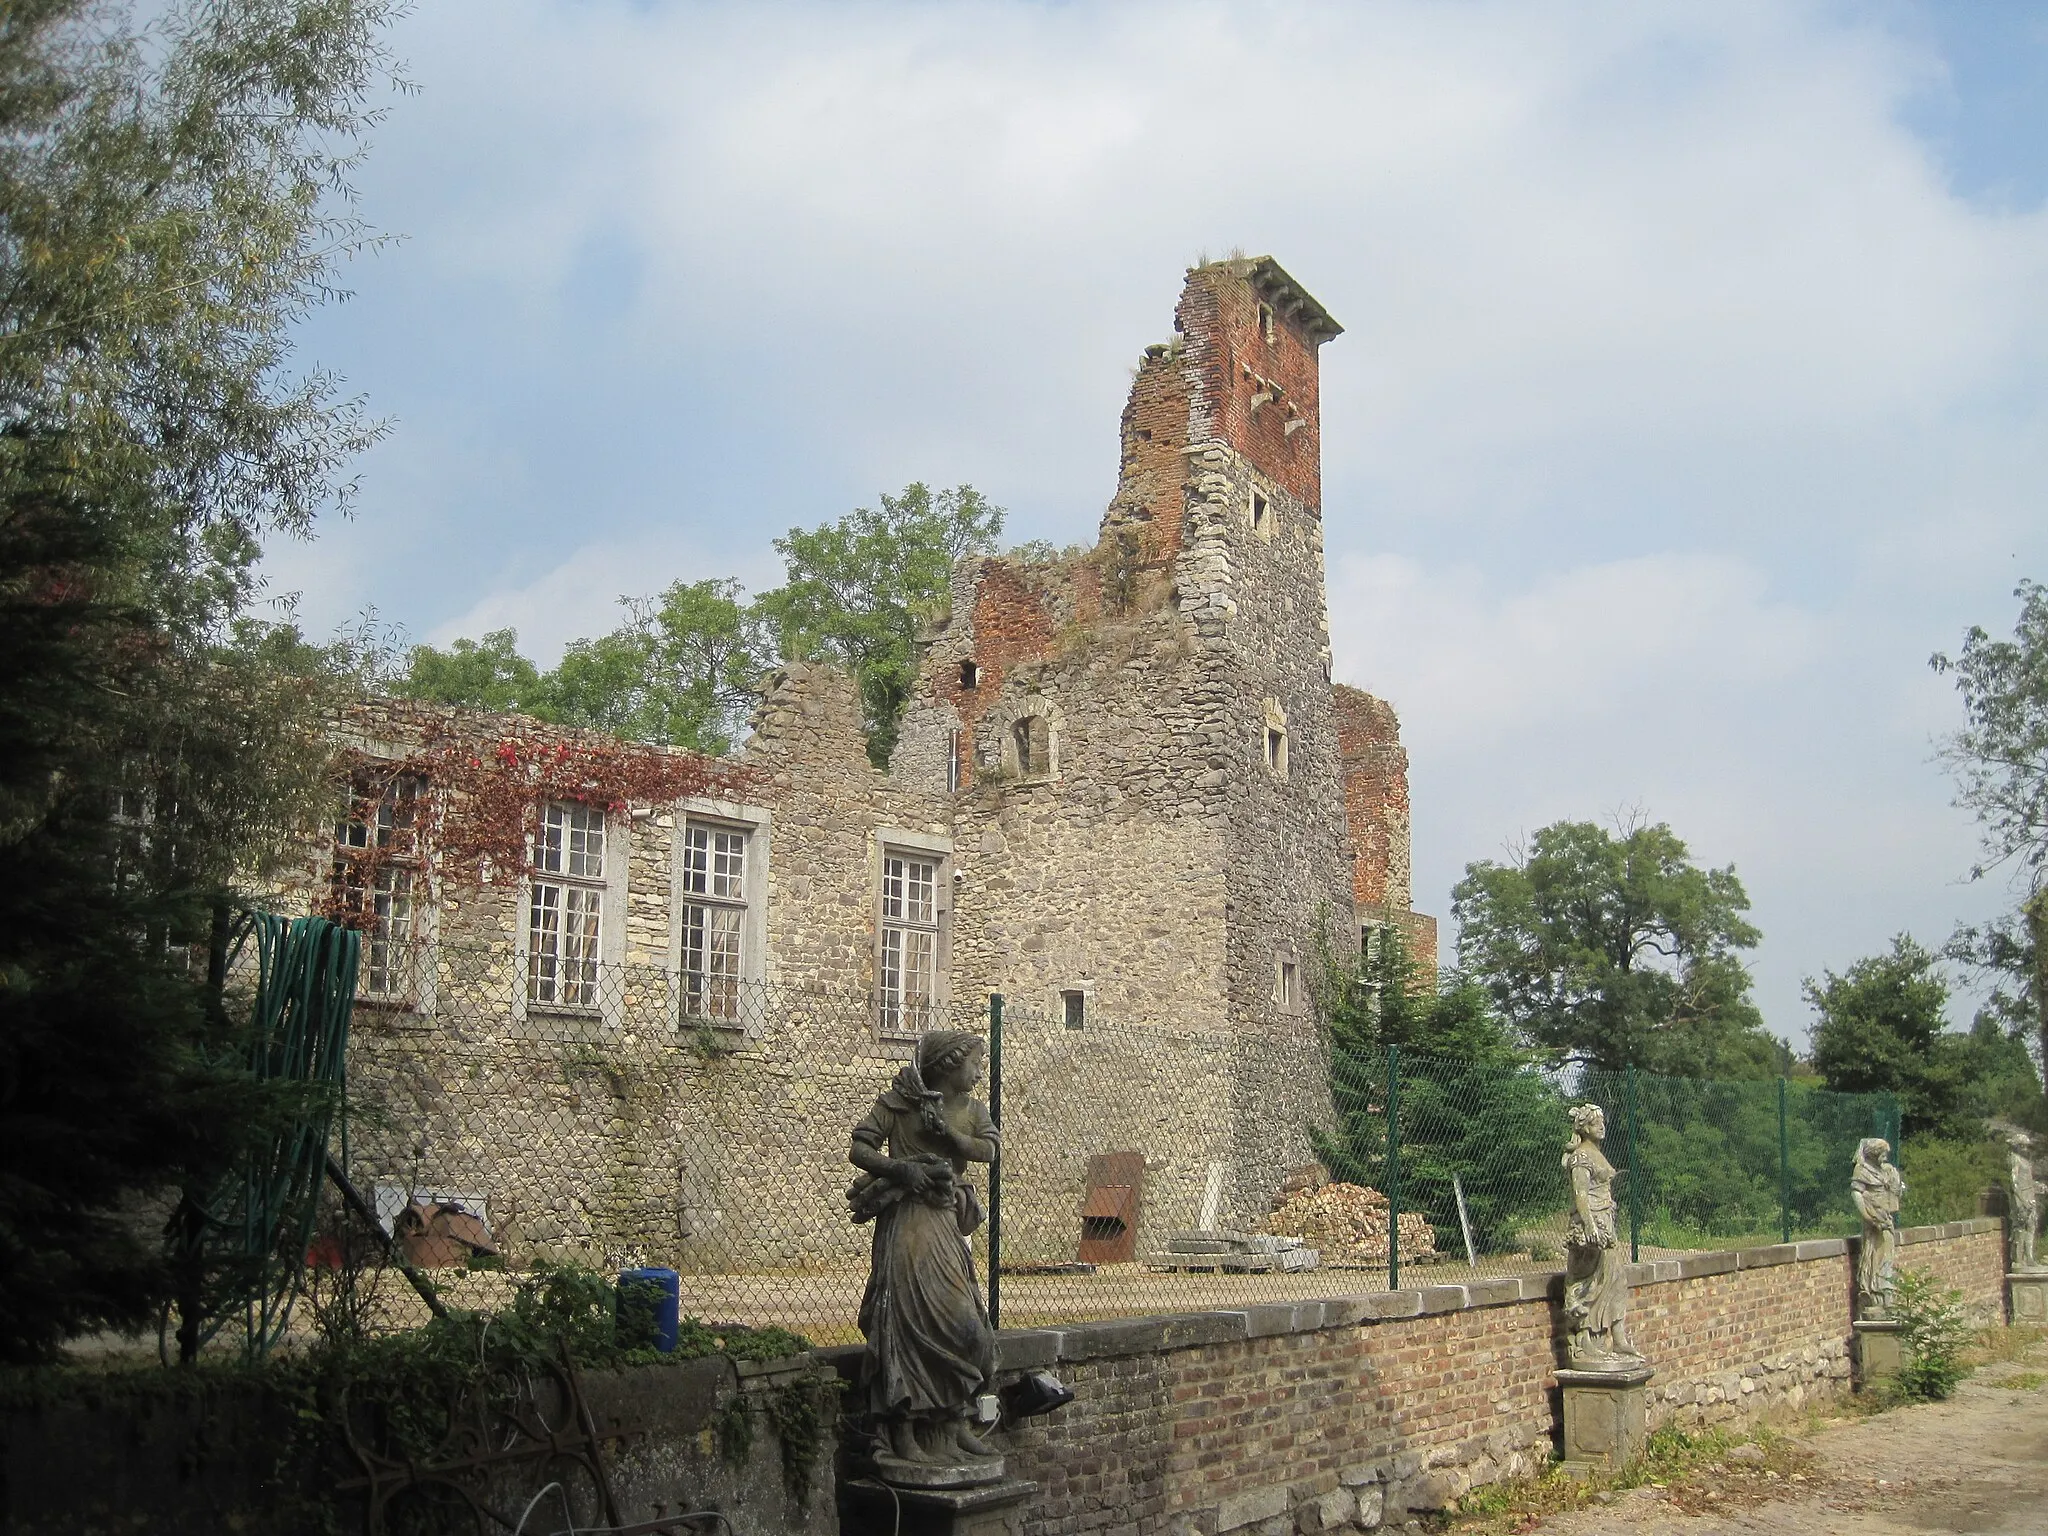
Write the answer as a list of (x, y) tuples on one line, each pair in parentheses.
[(1934, 1334), (1944, 1178)]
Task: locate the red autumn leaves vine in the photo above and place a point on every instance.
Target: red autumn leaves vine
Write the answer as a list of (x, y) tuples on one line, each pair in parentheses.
[(466, 803)]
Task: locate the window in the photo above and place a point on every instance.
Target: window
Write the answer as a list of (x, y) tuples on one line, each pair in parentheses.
[(1275, 737), (970, 675), (910, 941), (714, 919), (1266, 322), (1262, 515), (1034, 746), (566, 908), (1075, 1007), (1286, 985), (376, 877), (953, 774)]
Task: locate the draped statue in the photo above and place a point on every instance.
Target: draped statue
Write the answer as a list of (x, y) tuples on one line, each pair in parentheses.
[(1877, 1190), (1596, 1272), (930, 1351), (2024, 1222)]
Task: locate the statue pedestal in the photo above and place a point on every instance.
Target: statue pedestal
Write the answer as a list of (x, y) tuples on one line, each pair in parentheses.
[(2026, 1297), (1879, 1351), (868, 1507), (1606, 1417)]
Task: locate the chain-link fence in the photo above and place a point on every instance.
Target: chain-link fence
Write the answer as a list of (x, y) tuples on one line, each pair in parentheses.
[(705, 1128)]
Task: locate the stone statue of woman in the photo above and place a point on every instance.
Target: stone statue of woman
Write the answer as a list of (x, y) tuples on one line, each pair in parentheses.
[(1877, 1189), (930, 1350), (2025, 1219), (1596, 1276)]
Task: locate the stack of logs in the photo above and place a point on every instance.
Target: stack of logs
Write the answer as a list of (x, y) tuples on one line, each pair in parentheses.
[(1346, 1222)]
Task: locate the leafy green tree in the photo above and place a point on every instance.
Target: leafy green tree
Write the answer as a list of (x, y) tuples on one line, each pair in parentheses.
[(1617, 949), (2000, 763), (1473, 1116), (168, 201), (706, 650), (684, 666), (477, 674), (1883, 1027), (861, 588)]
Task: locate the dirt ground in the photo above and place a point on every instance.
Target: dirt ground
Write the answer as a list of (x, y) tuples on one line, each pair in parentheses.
[(1977, 1463)]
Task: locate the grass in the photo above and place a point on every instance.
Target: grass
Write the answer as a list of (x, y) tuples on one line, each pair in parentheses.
[(1691, 1466)]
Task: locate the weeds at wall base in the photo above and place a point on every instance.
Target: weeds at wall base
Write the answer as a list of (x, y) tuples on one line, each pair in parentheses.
[(1690, 1468)]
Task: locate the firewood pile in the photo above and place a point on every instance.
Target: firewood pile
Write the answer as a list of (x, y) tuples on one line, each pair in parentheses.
[(1348, 1224)]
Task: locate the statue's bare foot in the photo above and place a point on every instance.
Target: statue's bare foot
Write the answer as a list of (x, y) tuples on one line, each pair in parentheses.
[(967, 1441), (903, 1443)]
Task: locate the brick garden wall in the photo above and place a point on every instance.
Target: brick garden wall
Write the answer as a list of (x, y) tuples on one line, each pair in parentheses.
[(1347, 1413)]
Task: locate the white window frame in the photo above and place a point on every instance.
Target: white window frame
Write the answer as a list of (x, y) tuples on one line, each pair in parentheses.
[(408, 981), (607, 888), (753, 824), (895, 1016)]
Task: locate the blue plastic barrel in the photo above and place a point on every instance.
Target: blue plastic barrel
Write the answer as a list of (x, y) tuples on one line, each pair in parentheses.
[(656, 1300)]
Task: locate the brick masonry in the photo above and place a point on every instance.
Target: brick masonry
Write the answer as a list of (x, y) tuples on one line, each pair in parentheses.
[(1355, 1411)]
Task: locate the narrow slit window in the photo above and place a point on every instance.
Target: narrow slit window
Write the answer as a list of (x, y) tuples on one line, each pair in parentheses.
[(1262, 513), (1074, 1005), (970, 675)]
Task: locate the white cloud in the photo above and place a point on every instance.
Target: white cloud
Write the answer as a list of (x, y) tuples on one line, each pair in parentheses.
[(1683, 411), (1591, 647)]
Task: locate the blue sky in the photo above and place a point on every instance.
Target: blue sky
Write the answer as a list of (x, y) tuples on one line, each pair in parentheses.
[(1693, 392)]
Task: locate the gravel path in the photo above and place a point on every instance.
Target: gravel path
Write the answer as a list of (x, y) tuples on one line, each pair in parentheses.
[(1977, 1463)]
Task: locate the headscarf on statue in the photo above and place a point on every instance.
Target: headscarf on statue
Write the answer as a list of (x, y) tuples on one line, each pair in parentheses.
[(937, 1050)]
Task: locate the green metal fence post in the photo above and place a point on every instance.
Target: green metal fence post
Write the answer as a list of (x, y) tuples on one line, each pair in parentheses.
[(1393, 1190), (995, 1167), (1635, 1170), (1784, 1169)]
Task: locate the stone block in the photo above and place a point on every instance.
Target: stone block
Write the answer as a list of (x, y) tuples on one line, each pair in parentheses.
[(1371, 1506), (1249, 1508), (1879, 1352), (867, 1508), (1021, 1349), (1444, 1298), (1606, 1417), (1325, 1512), (1394, 1304), (1765, 1258), (1493, 1293), (1695, 1266), (2027, 1299), (1823, 1248)]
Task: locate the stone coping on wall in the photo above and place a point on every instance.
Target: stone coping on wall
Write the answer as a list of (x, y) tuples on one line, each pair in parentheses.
[(1025, 1349), (1031, 1349)]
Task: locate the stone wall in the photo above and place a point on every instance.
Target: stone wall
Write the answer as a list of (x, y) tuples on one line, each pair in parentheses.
[(1169, 850), (1362, 1410)]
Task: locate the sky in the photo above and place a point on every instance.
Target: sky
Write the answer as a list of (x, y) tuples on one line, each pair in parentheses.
[(1692, 393)]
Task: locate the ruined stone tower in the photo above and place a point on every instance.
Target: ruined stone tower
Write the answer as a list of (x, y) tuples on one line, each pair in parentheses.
[(1149, 822)]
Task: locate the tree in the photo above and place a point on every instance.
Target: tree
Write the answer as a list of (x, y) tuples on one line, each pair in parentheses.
[(476, 674), (1883, 1027), (1617, 949), (2000, 763), (1473, 1117), (684, 667), (861, 588), (169, 206)]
